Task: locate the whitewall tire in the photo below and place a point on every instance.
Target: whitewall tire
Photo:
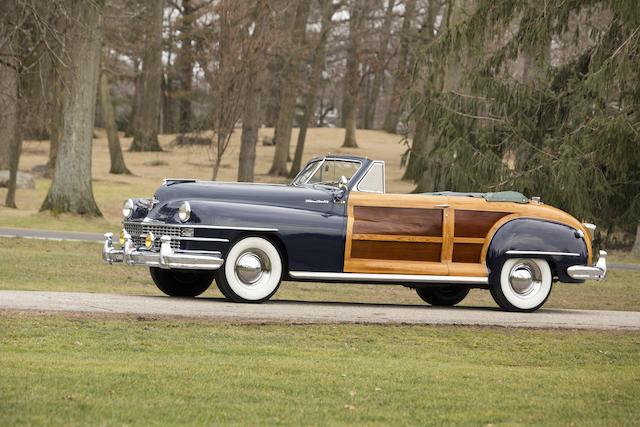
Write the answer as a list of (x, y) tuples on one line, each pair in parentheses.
[(251, 272), (524, 284)]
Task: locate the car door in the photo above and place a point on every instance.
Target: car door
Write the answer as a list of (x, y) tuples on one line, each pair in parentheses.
[(398, 234)]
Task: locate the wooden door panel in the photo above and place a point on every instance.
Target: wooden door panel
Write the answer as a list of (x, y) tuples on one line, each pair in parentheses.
[(395, 234)]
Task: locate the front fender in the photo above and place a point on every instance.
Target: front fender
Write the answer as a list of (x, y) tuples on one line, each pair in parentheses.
[(536, 235), (312, 240)]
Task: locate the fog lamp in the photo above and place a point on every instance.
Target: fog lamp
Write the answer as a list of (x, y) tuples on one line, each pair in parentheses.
[(148, 241)]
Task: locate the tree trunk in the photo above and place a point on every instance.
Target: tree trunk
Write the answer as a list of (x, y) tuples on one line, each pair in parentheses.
[(55, 119), (145, 138), (134, 118), (423, 140), (451, 80), (635, 251), (115, 150), (401, 75), (185, 65), (380, 64), (8, 112), (71, 189), (10, 136), (251, 117), (289, 91), (352, 74), (316, 77)]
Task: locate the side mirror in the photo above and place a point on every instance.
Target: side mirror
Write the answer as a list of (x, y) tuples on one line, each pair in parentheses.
[(342, 189), (342, 183)]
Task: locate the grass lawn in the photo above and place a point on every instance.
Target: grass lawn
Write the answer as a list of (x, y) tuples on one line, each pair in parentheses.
[(70, 371), (76, 266)]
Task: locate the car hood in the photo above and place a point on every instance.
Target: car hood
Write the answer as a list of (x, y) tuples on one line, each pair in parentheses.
[(307, 197)]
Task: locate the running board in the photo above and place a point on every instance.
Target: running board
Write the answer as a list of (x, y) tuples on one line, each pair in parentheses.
[(387, 278)]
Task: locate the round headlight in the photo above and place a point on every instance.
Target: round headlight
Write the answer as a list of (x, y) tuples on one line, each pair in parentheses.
[(185, 212), (127, 209)]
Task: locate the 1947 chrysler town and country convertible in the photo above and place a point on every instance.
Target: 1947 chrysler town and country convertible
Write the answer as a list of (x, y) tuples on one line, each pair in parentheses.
[(334, 223)]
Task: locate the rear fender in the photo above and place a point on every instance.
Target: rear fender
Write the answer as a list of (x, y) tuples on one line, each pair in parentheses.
[(561, 245)]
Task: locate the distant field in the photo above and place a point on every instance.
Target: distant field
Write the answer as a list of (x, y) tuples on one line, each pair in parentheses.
[(181, 162), (63, 266), (71, 371)]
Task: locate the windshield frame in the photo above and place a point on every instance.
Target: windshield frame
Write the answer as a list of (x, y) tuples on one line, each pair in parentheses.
[(320, 163)]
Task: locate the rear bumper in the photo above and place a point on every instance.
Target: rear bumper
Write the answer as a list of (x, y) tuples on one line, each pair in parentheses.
[(585, 272), (165, 258)]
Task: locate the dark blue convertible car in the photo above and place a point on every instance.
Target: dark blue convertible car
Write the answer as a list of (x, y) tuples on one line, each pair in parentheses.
[(335, 223)]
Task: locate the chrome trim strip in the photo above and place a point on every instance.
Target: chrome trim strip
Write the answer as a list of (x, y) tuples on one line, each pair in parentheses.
[(189, 251), (387, 277), (542, 253), (201, 239), (213, 227)]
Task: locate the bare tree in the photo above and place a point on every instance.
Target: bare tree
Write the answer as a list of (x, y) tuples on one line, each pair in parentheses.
[(401, 75), (145, 136), (8, 113), (315, 78), (10, 136), (379, 66), (71, 189), (118, 165), (352, 74), (255, 61), (289, 92)]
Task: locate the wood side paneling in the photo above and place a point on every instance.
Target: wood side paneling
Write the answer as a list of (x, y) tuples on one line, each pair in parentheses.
[(467, 252), (395, 267), (397, 238), (406, 251), (475, 223), (399, 221)]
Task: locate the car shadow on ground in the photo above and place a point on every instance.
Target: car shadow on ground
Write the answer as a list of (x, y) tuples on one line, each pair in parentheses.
[(364, 304)]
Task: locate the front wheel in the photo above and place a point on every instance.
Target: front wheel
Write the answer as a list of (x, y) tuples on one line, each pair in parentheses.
[(252, 271), (524, 284), (445, 295), (181, 283)]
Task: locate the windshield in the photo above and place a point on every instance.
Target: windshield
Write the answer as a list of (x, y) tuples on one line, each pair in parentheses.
[(328, 173), (305, 174)]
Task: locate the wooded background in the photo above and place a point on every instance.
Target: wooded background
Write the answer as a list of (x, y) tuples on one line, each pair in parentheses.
[(539, 96)]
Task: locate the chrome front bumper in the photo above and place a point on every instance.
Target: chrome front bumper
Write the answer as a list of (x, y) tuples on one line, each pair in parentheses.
[(165, 258), (585, 272)]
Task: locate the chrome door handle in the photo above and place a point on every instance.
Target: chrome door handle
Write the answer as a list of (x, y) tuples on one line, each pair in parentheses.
[(442, 206)]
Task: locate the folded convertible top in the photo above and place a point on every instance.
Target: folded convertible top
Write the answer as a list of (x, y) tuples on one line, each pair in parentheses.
[(500, 196)]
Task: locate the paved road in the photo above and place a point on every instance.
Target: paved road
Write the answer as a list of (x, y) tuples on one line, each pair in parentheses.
[(51, 234), (312, 312), (97, 237)]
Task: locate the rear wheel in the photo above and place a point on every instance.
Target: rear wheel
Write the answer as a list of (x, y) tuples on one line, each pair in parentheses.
[(445, 295), (252, 271), (181, 283), (524, 284)]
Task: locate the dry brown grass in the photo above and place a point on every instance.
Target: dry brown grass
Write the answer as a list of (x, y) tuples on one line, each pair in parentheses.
[(183, 162)]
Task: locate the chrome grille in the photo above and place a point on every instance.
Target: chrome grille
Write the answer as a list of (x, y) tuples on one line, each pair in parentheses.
[(138, 231)]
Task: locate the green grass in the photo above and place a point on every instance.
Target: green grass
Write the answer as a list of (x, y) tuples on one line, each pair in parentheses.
[(76, 266), (78, 371)]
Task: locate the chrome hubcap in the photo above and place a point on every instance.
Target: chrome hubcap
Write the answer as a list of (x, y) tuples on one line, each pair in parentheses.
[(524, 278), (251, 267)]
